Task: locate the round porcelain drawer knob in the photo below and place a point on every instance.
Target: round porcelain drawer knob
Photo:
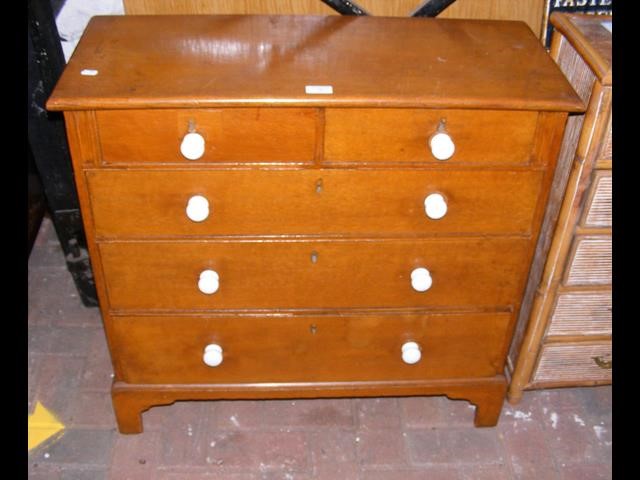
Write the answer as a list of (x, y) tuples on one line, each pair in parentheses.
[(421, 280), (411, 353), (197, 208), (212, 355), (442, 146), (209, 282), (192, 146), (435, 206)]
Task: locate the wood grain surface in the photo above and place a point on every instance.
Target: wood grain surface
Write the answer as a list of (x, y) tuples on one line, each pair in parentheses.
[(281, 274), (325, 348), (402, 135), (146, 204), (244, 60), (286, 135)]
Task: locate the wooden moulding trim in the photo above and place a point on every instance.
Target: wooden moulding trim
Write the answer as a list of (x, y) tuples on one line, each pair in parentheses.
[(318, 157), (593, 288), (307, 390), (325, 312), (592, 230), (83, 139), (111, 103), (574, 36), (560, 339), (566, 383), (131, 400), (365, 165)]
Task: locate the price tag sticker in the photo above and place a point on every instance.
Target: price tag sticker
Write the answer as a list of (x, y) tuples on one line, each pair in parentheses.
[(318, 89)]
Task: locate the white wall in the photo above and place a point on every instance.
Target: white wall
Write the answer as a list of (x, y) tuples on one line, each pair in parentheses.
[(74, 16)]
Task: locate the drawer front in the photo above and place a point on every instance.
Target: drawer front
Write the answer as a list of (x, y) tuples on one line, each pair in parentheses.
[(574, 362), (305, 274), (590, 261), (598, 210), (266, 202), (480, 137), (581, 313), (283, 135), (308, 348)]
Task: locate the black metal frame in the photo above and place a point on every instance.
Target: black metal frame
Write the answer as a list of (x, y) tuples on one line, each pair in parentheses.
[(48, 143), (345, 7), (431, 8)]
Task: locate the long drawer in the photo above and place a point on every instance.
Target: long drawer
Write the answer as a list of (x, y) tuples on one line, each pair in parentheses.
[(577, 362), (137, 203), (308, 348), (305, 274), (273, 135), (481, 137)]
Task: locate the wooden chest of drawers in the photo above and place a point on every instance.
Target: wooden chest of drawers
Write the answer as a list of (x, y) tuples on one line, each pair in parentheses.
[(563, 337), (310, 206)]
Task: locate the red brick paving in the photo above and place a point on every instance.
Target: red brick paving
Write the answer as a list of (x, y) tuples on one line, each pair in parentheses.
[(561, 434)]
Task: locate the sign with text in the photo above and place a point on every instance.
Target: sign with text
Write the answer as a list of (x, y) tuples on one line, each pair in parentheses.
[(593, 7)]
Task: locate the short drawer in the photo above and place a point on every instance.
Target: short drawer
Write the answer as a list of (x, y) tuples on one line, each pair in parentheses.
[(589, 261), (308, 348), (233, 135), (152, 203), (598, 208), (480, 137), (581, 313), (306, 274), (574, 362)]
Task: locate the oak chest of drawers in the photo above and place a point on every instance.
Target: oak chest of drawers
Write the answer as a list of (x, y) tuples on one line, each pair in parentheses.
[(310, 206), (563, 337)]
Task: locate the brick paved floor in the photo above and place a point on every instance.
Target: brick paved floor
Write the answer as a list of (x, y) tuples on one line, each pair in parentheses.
[(561, 434)]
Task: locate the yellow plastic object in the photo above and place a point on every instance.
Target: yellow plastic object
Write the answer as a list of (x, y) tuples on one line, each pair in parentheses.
[(42, 426)]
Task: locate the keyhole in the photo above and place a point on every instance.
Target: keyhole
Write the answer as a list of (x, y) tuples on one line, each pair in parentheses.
[(313, 329), (319, 186), (314, 257), (191, 127)]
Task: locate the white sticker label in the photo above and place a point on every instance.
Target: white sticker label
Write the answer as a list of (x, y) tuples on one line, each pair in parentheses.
[(88, 72), (608, 26), (318, 89)]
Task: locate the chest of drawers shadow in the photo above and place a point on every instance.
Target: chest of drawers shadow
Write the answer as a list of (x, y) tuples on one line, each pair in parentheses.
[(302, 207)]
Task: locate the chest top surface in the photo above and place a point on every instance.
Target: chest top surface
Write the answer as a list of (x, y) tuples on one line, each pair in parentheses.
[(242, 60)]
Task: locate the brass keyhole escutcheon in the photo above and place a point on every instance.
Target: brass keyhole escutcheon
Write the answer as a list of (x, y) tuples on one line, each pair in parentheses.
[(319, 186), (313, 329), (602, 363), (314, 257)]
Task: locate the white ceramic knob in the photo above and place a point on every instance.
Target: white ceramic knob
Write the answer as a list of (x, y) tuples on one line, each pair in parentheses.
[(421, 279), (442, 146), (212, 355), (197, 208), (192, 146), (435, 206), (411, 353), (209, 282)]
